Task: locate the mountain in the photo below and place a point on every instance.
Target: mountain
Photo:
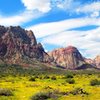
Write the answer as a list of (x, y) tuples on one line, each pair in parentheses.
[(90, 61), (68, 58), (97, 61), (94, 62), (19, 46)]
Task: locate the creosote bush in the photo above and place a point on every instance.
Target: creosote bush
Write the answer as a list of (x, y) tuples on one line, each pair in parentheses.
[(94, 82), (78, 91), (5, 92), (32, 79), (69, 75), (53, 78), (45, 95), (40, 96), (46, 77), (70, 81)]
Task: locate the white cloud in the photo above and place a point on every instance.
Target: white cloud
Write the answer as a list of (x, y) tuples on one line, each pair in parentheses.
[(68, 5), (60, 34), (45, 29), (91, 8), (19, 19), (95, 14), (80, 39), (40, 5)]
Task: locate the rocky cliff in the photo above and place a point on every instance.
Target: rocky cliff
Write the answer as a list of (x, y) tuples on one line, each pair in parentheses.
[(69, 57), (94, 62), (20, 46), (97, 61)]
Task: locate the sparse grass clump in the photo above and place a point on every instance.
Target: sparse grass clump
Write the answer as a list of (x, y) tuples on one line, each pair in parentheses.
[(5, 92), (94, 82)]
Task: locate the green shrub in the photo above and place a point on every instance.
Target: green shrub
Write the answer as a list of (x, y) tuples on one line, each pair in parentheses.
[(70, 81), (32, 79), (78, 91), (46, 95), (69, 75), (46, 77), (94, 82), (5, 92), (53, 78), (41, 96)]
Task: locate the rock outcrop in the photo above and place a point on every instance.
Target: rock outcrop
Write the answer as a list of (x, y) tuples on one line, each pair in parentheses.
[(97, 61), (20, 46), (94, 62), (69, 57), (90, 61)]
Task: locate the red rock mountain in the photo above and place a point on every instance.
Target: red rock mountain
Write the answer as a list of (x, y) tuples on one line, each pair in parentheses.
[(69, 57), (18, 46), (97, 61), (90, 61)]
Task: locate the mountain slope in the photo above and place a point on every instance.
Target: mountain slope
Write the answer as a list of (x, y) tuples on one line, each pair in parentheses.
[(69, 57), (19, 46), (97, 61)]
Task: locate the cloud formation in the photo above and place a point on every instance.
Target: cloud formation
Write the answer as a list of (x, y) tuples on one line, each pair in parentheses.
[(40, 5), (60, 34), (45, 29), (92, 8), (19, 19), (89, 41)]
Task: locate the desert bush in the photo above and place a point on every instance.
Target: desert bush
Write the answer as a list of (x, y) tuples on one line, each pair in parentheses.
[(46, 77), (53, 78), (46, 95), (32, 79), (5, 92), (69, 75), (78, 91), (41, 96), (70, 81), (94, 82)]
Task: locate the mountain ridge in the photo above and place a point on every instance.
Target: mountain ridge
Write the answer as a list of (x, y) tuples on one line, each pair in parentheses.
[(19, 46)]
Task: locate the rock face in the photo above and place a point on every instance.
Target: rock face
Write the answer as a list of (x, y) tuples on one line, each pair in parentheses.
[(69, 57), (18, 45), (90, 61), (94, 62), (97, 61)]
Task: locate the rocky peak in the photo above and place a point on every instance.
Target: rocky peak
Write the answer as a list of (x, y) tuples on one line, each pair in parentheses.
[(97, 61), (69, 57), (17, 44)]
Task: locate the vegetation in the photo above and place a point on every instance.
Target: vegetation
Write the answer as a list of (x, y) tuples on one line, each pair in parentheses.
[(32, 79), (5, 92), (70, 81), (17, 83), (94, 82)]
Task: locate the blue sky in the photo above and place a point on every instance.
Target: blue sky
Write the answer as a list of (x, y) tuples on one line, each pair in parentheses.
[(57, 23)]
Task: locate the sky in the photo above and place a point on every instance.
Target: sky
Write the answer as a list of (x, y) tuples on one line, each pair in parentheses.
[(57, 23)]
